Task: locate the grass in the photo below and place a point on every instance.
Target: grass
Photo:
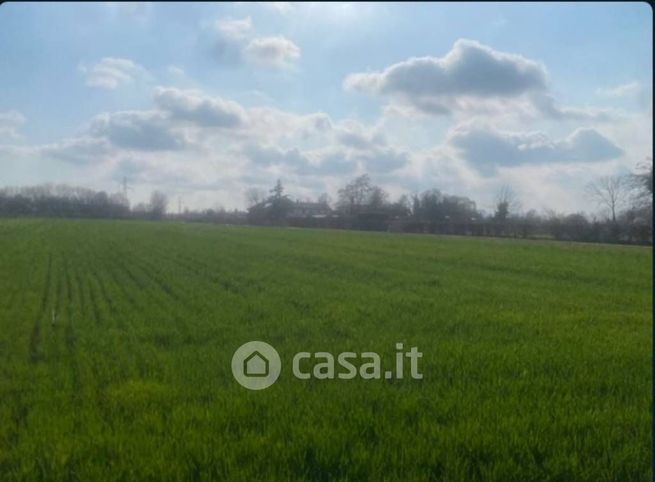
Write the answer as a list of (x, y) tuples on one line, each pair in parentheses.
[(537, 355)]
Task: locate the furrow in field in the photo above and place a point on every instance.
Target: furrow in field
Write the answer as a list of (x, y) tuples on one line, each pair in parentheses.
[(95, 374), (126, 294), (95, 307), (10, 281), (130, 323), (91, 290), (69, 334), (155, 303), (21, 301), (199, 269), (178, 295), (81, 293), (152, 273), (98, 294), (20, 305), (35, 337), (139, 279), (109, 301), (19, 412), (234, 276), (68, 288)]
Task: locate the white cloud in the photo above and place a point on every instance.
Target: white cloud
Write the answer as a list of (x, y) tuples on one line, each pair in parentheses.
[(79, 150), (437, 85), (486, 147), (634, 94), (271, 155), (200, 109), (274, 125), (229, 38), (198, 136), (540, 186), (471, 79), (546, 105), (383, 160), (623, 90), (235, 43), (176, 71), (11, 118), (111, 72), (352, 134), (272, 51), (195, 142), (234, 28), (10, 122), (328, 160), (557, 186), (140, 130)]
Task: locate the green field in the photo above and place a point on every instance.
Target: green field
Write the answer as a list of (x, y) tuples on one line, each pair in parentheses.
[(537, 355)]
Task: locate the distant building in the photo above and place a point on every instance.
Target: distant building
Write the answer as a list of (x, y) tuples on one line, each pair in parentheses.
[(301, 209)]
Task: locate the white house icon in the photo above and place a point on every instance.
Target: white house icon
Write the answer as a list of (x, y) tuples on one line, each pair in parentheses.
[(255, 365)]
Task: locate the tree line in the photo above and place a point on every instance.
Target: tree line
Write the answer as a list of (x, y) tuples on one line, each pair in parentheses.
[(624, 202), (60, 200)]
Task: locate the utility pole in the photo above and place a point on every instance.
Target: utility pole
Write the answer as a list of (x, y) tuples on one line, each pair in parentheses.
[(126, 188)]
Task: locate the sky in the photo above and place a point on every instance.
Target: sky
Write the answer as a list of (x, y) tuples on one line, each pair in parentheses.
[(206, 100)]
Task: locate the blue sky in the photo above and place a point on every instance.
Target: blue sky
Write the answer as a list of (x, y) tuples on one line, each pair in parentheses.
[(539, 96)]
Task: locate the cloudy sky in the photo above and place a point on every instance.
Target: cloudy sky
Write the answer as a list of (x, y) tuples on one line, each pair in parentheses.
[(206, 100)]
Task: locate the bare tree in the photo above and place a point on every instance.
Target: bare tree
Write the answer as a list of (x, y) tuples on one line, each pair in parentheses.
[(642, 183), (158, 204), (254, 196), (377, 198), (353, 195), (506, 203), (610, 192), (324, 199), (405, 203)]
